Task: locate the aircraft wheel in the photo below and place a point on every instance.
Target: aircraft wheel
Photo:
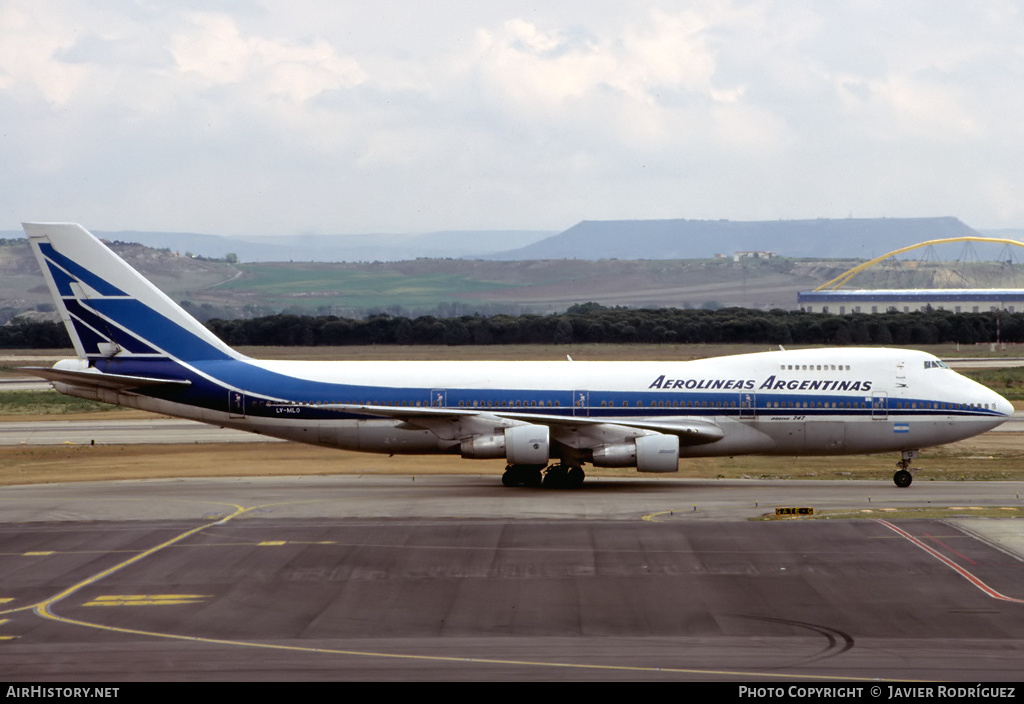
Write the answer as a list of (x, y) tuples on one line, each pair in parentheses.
[(574, 479), (555, 477), (902, 478), (521, 475)]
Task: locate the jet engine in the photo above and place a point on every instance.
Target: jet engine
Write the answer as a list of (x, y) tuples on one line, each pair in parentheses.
[(520, 444), (648, 453)]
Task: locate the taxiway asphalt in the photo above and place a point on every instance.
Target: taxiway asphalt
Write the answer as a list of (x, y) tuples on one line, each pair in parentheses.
[(150, 431), (457, 578)]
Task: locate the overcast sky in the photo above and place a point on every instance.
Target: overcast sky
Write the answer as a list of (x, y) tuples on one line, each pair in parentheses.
[(349, 117)]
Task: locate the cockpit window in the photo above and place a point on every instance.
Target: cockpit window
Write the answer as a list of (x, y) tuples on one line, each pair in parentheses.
[(935, 364)]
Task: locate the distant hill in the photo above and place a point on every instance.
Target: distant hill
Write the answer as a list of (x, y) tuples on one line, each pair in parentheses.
[(702, 239), (22, 288), (589, 239), (210, 286), (445, 287), (458, 244), (330, 248)]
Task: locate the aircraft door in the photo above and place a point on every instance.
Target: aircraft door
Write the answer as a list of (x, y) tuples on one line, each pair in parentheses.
[(439, 398), (580, 403), (236, 404), (748, 404), (879, 405)]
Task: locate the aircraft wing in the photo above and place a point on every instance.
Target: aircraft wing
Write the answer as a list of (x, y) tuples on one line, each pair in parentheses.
[(690, 431), (99, 379)]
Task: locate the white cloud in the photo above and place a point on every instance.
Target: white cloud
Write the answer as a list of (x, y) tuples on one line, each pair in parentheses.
[(402, 116), (27, 65), (211, 48)]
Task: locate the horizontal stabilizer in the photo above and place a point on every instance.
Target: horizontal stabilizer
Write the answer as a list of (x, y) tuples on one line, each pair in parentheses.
[(99, 379)]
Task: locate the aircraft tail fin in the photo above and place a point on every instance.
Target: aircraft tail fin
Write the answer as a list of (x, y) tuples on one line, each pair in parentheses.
[(110, 309)]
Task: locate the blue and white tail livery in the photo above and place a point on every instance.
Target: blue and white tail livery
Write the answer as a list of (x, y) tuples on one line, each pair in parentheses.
[(138, 348)]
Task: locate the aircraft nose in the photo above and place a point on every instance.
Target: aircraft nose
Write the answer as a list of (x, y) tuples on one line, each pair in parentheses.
[(1002, 405)]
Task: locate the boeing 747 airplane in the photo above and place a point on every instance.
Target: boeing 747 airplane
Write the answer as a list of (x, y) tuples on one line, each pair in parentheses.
[(138, 348)]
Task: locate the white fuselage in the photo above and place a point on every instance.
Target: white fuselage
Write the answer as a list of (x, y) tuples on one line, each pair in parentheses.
[(831, 401)]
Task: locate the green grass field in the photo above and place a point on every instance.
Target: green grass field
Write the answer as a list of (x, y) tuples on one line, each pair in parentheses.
[(47, 403), (312, 285)]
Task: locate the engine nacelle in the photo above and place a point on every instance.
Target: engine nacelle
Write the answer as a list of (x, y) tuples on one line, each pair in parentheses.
[(657, 453), (519, 444), (528, 444), (648, 453), (615, 455), (483, 447)]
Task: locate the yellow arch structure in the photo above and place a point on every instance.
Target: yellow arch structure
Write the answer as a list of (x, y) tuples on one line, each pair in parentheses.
[(845, 277)]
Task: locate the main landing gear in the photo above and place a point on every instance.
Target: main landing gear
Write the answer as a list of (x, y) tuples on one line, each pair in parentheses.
[(902, 478), (522, 475), (557, 476)]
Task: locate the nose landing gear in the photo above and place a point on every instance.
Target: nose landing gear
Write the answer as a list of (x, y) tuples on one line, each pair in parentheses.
[(902, 478)]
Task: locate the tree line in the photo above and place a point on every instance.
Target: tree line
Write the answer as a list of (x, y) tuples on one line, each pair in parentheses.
[(591, 323)]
